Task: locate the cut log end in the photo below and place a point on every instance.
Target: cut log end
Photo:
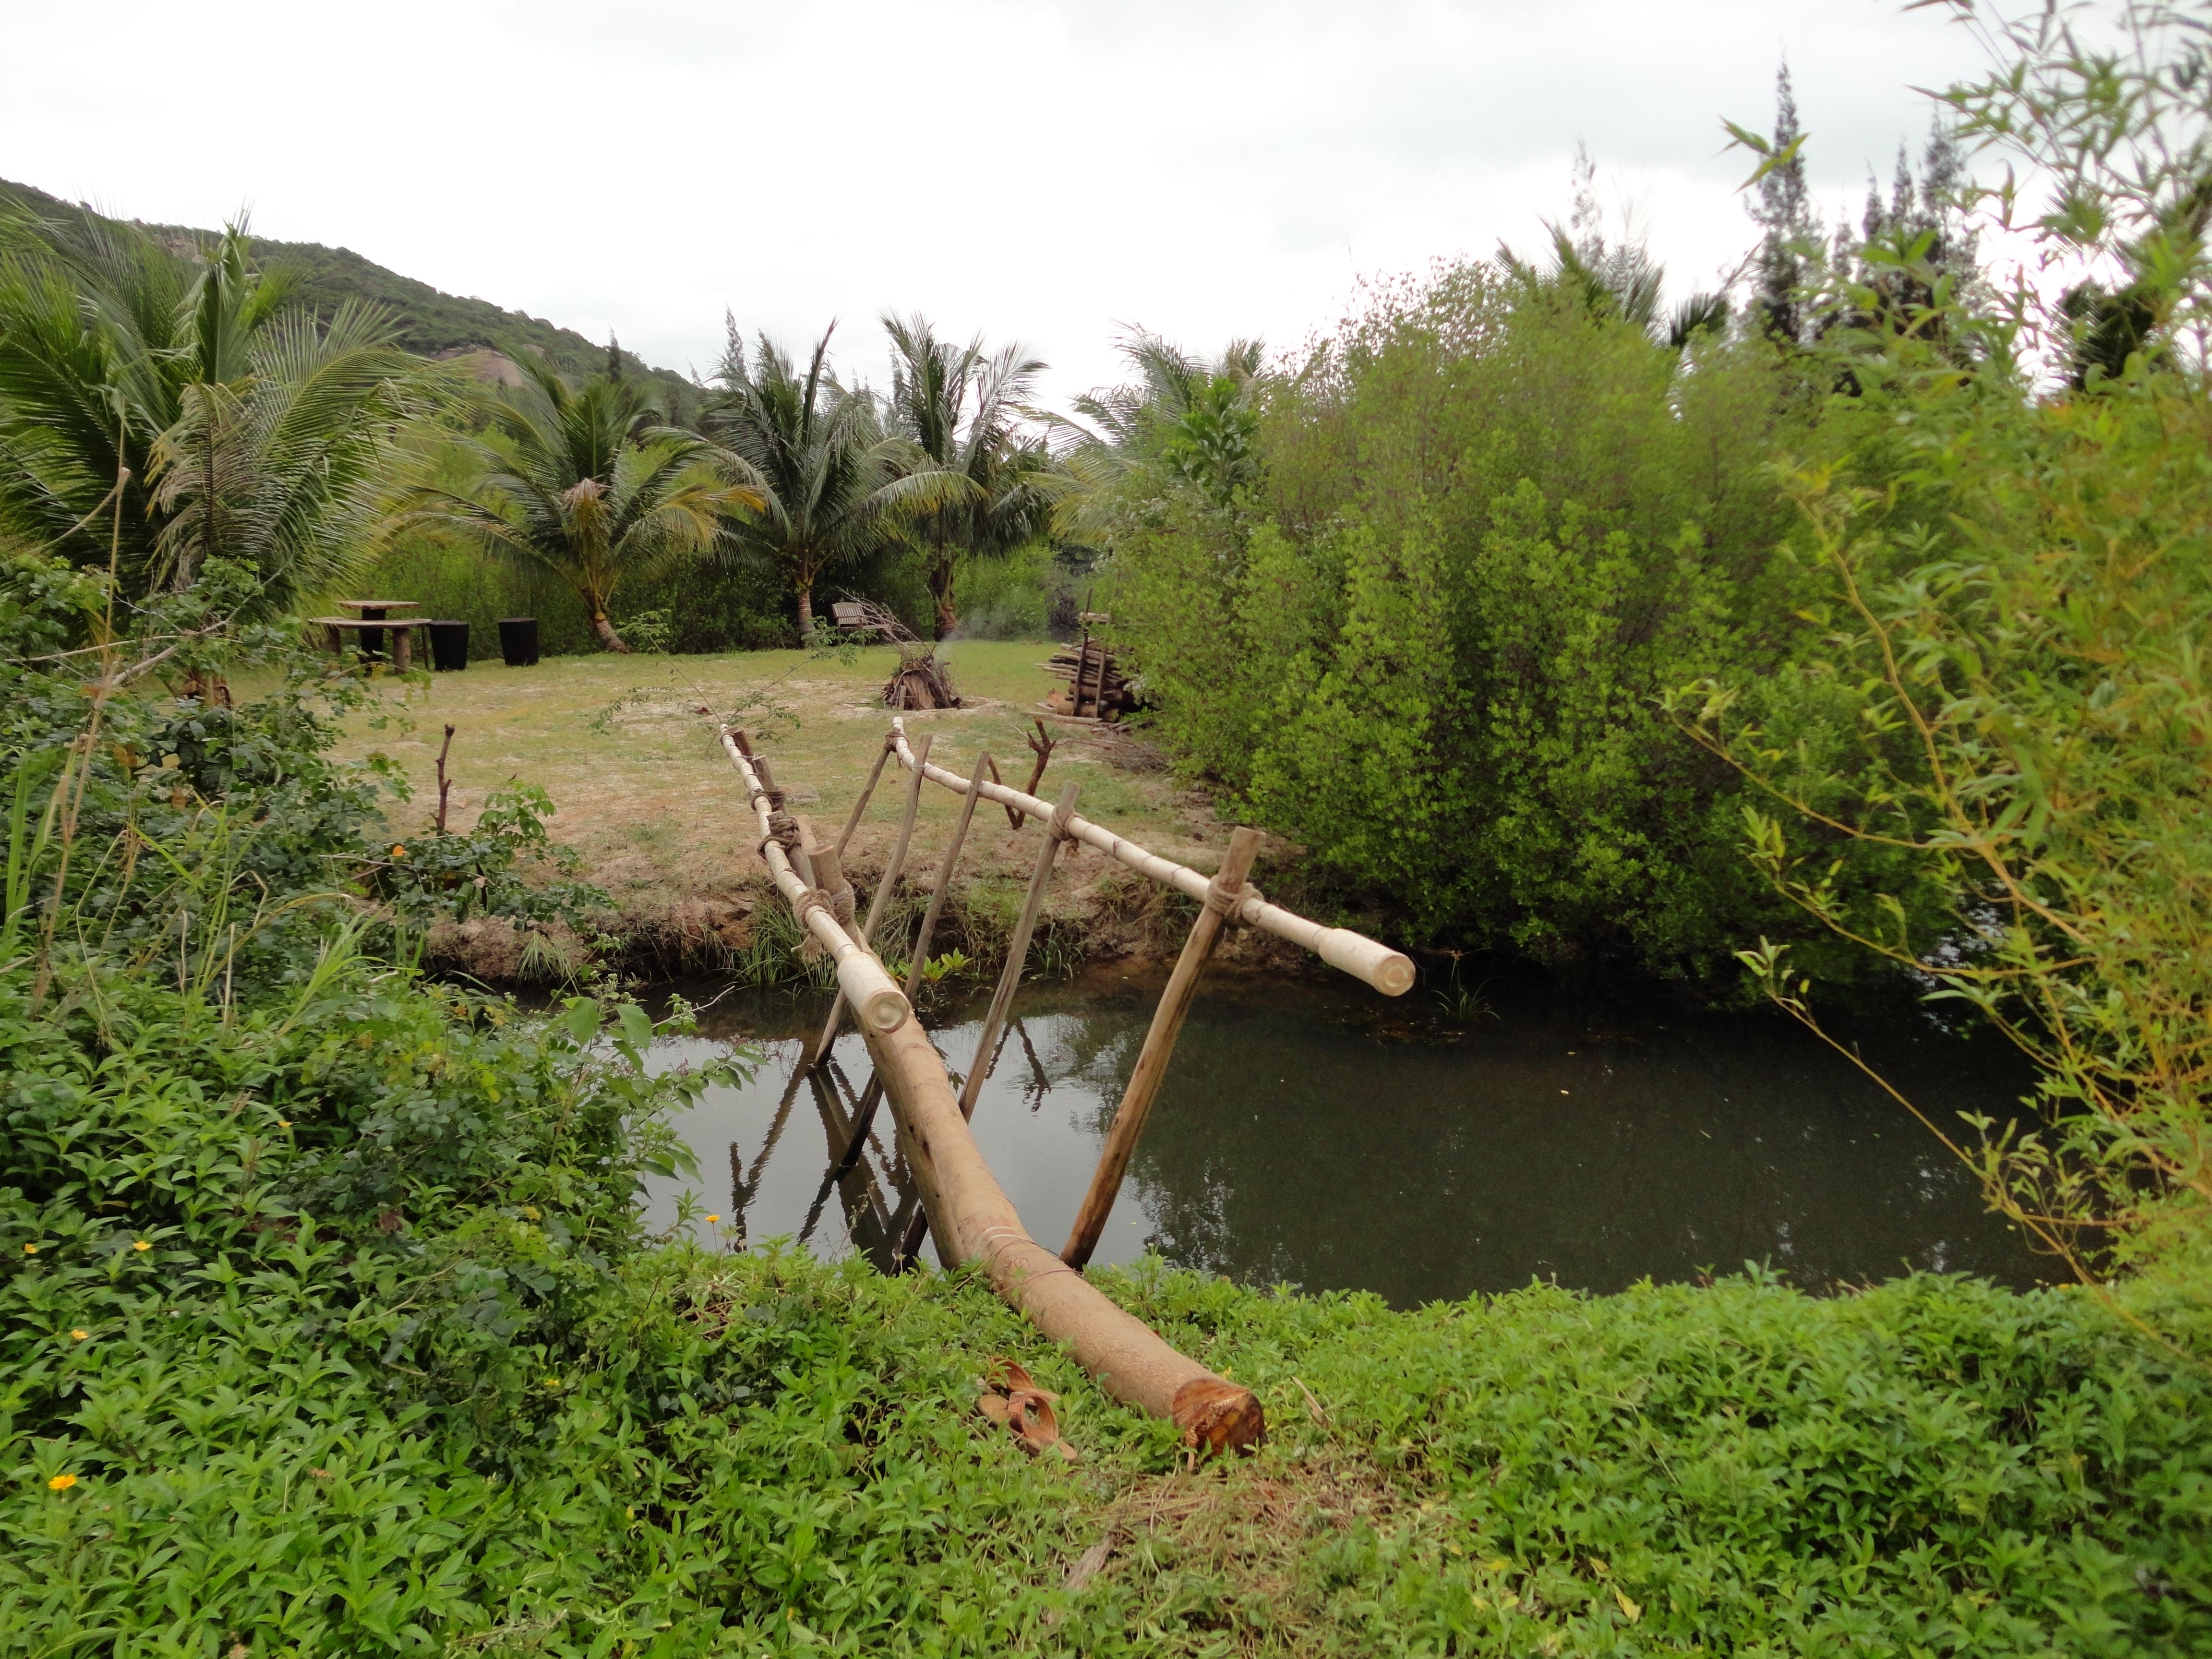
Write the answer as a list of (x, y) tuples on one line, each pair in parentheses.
[(878, 1004), (1386, 970), (1217, 1417)]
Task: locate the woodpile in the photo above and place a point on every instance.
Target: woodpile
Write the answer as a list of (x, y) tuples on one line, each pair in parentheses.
[(920, 681), (1096, 688)]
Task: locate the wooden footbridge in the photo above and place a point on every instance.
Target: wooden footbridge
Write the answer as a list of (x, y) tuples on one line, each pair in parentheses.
[(961, 1204)]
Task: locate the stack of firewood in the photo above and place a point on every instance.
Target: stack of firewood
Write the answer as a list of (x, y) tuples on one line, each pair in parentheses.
[(1096, 687), (921, 681)]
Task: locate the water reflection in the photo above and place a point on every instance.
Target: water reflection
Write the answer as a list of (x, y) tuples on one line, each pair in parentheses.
[(1328, 1139)]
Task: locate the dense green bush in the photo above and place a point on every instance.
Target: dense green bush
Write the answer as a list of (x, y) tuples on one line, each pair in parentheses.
[(1008, 599), (1494, 526)]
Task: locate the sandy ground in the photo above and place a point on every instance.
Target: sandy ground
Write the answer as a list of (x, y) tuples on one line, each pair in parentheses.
[(626, 747)]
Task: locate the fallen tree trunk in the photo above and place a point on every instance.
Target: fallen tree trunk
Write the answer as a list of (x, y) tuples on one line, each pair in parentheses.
[(970, 1216)]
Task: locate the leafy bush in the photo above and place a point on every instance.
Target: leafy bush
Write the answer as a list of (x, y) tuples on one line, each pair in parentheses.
[(1430, 645), (1007, 599)]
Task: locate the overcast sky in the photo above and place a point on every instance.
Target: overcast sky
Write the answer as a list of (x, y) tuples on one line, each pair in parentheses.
[(1046, 171)]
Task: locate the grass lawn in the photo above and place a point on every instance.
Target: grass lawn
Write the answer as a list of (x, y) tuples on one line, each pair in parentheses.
[(627, 748)]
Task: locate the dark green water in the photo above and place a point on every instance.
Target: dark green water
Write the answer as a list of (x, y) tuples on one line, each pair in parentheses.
[(1333, 1139)]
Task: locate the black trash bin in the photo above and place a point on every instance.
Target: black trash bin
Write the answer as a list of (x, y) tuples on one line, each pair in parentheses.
[(449, 647), (518, 641)]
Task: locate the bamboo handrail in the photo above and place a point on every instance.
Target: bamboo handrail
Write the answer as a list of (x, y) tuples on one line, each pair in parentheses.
[(879, 1005), (1389, 971)]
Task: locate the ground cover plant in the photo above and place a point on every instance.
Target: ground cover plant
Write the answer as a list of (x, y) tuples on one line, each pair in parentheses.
[(328, 1325)]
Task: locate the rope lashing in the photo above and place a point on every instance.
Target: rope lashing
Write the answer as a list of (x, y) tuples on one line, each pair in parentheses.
[(1227, 904)]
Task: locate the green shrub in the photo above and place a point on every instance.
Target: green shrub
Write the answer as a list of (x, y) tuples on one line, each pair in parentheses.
[(1430, 645), (1008, 599)]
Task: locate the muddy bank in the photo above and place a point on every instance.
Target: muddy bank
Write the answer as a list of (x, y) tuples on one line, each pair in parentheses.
[(1096, 911)]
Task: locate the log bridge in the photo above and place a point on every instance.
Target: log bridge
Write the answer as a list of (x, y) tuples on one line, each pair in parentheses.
[(963, 1208)]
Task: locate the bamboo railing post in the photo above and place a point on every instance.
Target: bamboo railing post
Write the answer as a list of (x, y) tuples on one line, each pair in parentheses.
[(891, 874), (1018, 949), (853, 818), (829, 871), (1159, 1047), (944, 871)]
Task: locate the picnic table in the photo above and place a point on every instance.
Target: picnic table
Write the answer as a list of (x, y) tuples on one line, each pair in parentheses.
[(374, 619)]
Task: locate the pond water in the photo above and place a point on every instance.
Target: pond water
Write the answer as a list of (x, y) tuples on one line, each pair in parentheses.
[(1331, 1138)]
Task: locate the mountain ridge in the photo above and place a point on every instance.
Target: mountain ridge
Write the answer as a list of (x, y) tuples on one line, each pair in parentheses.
[(433, 323)]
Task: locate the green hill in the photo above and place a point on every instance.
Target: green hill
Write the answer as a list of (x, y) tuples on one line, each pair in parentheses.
[(433, 323)]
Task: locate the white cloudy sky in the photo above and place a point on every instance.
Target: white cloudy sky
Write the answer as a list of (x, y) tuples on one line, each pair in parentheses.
[(1047, 171)]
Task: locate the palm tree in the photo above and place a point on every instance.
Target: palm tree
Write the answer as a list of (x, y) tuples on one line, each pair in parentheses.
[(1197, 418), (828, 471), (957, 407), (586, 483), (242, 428)]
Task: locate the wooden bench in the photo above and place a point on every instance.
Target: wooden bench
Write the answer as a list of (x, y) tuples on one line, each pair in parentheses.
[(401, 630)]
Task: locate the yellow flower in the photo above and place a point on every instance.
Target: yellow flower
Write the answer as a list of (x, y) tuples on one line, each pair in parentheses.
[(61, 1482), (79, 1335), (552, 1381), (283, 1122), (30, 1249), (142, 1244), (397, 851), (712, 1218)]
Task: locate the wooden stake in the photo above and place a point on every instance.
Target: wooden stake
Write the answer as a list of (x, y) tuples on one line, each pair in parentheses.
[(828, 873), (1018, 949), (943, 871), (1159, 1047), (853, 818), (444, 783), (891, 872)]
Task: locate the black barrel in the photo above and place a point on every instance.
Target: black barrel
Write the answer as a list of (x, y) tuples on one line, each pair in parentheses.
[(449, 647), (518, 641)]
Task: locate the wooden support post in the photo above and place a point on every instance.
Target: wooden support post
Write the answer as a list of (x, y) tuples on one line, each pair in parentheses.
[(824, 871), (1018, 949), (876, 905), (1159, 1047), (853, 818), (864, 1119), (943, 871)]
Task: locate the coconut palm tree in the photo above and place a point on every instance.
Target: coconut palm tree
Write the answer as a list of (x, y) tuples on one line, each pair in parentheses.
[(1195, 418), (588, 484), (829, 472), (958, 408), (241, 427)]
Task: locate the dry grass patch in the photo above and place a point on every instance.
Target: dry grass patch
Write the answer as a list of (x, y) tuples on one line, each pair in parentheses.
[(627, 749)]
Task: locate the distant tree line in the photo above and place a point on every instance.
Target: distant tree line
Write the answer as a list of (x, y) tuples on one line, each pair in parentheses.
[(240, 421)]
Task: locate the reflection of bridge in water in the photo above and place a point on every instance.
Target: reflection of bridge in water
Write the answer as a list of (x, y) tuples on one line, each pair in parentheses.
[(939, 1184)]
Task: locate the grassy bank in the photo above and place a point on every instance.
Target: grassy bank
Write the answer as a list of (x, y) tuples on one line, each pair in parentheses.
[(645, 796), (328, 1325)]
